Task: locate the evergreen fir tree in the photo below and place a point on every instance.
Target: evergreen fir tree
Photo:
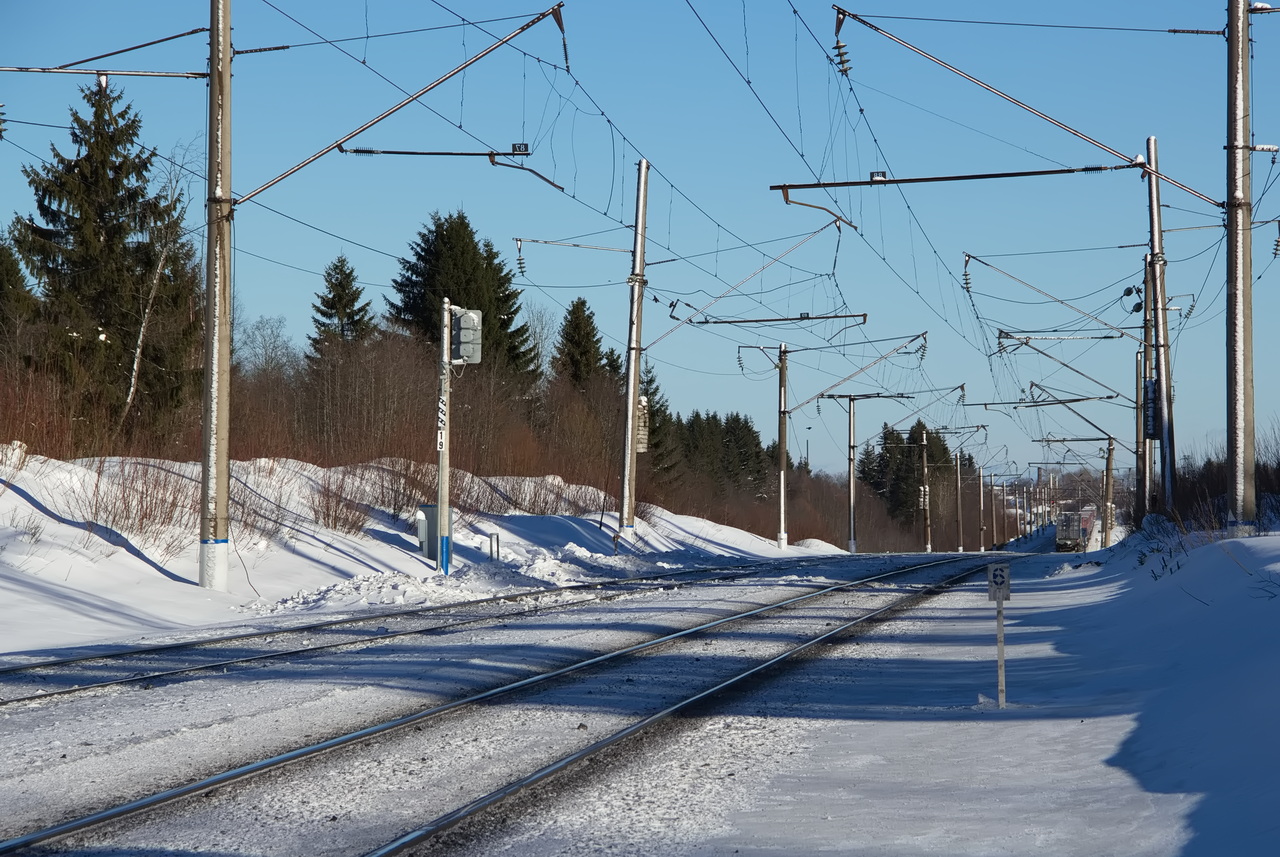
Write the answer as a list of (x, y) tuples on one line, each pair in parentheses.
[(900, 480), (743, 459), (615, 366), (870, 467), (663, 459), (577, 356), (339, 317), (118, 285), (448, 261), (17, 302)]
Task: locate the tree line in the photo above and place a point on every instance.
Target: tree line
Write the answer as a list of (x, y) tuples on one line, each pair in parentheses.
[(101, 331), (101, 336)]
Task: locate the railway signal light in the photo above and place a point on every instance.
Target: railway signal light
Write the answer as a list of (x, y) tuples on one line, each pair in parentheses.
[(466, 335)]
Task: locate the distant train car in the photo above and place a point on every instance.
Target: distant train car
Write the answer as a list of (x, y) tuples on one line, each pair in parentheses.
[(1073, 531)]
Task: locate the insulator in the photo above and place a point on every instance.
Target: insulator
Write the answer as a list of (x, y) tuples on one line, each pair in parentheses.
[(565, 44), (520, 265), (968, 281), (819, 407), (1137, 307), (842, 57), (741, 367), (1275, 251)]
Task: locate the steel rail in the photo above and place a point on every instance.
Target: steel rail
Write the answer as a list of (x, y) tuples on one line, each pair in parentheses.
[(475, 807), (370, 617), (373, 639), (254, 768)]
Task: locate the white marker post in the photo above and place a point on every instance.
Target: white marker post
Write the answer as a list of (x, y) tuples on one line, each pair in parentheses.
[(998, 591)]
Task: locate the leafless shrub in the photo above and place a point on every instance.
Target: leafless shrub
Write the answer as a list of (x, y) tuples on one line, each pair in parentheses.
[(477, 494), (31, 527), (258, 498), (398, 485), (647, 512), (150, 502), (332, 505), (551, 495)]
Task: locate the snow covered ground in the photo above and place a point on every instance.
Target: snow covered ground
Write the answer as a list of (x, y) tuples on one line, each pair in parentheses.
[(65, 583), (1142, 680)]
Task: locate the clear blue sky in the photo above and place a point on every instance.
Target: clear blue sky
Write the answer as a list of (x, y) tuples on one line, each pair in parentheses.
[(726, 99)]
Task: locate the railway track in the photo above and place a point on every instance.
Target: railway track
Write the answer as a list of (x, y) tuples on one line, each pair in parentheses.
[(41, 679), (502, 740)]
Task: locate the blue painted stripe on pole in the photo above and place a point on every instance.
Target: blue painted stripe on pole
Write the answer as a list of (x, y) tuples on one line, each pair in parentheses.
[(215, 541), (445, 554)]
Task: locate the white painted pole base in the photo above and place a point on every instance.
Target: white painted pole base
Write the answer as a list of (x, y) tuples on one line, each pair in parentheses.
[(214, 555)]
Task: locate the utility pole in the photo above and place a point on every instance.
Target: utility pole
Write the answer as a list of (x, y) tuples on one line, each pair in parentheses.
[(959, 521), (216, 464), (1160, 315), (924, 490), (995, 531), (982, 519), (784, 411), (627, 506), (444, 531), (1242, 512), (1108, 492), (853, 482), (853, 451), (1142, 448), (782, 445), (216, 471), (1003, 535)]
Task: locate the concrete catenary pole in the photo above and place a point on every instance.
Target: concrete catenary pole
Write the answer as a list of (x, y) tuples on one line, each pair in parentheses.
[(1142, 450), (627, 510), (924, 491), (1003, 535), (443, 530), (216, 465), (982, 520), (782, 445), (1240, 452), (1108, 492), (853, 516), (1160, 315), (959, 515), (995, 524)]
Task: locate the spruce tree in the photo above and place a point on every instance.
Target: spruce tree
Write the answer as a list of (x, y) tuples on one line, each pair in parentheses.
[(615, 366), (871, 467), (17, 302), (900, 482), (447, 260), (118, 284), (663, 460), (18, 309), (742, 460), (339, 316), (577, 356)]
